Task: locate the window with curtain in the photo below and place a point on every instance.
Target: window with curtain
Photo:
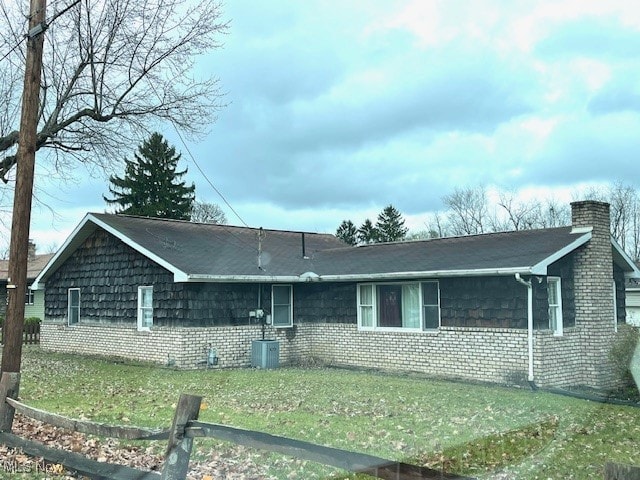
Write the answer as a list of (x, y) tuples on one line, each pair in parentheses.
[(555, 305), (145, 308), (411, 306), (365, 302)]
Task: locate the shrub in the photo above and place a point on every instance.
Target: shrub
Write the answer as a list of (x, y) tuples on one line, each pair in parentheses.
[(31, 321), (622, 353)]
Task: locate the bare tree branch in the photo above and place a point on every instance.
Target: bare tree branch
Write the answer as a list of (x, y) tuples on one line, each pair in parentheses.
[(122, 63)]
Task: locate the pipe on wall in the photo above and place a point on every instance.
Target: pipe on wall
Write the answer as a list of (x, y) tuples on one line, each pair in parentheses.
[(527, 283)]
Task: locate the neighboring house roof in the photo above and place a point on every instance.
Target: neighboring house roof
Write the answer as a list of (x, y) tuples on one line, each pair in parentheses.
[(34, 267), (207, 252)]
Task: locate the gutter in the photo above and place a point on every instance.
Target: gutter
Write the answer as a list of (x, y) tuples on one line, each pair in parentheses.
[(357, 277), (527, 284)]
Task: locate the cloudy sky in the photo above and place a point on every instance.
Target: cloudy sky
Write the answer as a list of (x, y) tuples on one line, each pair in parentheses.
[(338, 108)]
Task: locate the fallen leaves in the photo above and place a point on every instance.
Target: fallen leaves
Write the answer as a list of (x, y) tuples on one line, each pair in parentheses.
[(233, 463)]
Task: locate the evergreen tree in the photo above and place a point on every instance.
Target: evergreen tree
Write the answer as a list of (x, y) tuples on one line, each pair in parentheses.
[(367, 233), (390, 225), (347, 232), (151, 186)]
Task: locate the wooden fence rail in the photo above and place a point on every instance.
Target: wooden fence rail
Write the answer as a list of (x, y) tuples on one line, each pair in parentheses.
[(184, 430), (30, 333)]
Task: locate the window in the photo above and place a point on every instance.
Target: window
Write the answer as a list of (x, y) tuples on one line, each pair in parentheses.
[(555, 305), (28, 297), (431, 305), (145, 308), (412, 306), (73, 314), (282, 306)]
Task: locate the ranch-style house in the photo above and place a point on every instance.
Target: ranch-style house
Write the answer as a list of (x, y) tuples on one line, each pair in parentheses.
[(538, 306)]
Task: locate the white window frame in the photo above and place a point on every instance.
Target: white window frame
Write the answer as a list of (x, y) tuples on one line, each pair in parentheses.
[(289, 324), (557, 285), (141, 308), (29, 297), (423, 320), (71, 307), (373, 306), (375, 326)]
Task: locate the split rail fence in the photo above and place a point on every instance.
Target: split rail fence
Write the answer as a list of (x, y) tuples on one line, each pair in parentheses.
[(184, 429)]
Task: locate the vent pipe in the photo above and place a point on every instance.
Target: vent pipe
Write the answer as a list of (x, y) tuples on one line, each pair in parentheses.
[(304, 253)]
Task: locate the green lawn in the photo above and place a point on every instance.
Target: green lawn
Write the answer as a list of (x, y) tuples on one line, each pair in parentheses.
[(469, 429)]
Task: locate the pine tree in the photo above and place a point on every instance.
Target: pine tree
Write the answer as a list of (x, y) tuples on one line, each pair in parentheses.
[(151, 186), (367, 233), (347, 232), (390, 225)]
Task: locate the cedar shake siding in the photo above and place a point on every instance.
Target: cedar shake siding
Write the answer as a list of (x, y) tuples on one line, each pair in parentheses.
[(324, 303), (108, 274), (490, 302)]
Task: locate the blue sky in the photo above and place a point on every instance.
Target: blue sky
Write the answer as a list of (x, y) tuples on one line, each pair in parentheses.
[(339, 108)]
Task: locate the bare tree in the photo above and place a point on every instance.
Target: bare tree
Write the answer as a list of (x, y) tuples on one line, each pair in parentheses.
[(468, 210), (437, 225), (520, 215), (203, 212), (623, 200), (113, 69)]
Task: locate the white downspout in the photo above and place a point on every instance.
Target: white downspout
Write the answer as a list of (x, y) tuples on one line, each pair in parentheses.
[(529, 323)]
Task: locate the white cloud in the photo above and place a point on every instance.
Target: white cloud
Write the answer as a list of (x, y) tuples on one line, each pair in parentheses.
[(340, 108)]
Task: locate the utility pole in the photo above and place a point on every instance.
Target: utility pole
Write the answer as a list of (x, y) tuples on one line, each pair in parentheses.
[(26, 154)]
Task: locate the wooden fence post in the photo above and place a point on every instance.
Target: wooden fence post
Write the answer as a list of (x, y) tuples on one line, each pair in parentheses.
[(9, 387), (176, 463)]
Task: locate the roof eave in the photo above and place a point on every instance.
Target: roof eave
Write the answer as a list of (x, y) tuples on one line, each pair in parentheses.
[(204, 278), (60, 256), (81, 232), (632, 271), (541, 267)]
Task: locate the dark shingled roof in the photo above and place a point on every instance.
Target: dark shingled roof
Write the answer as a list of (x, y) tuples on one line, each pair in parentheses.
[(207, 252), (494, 251), (208, 249)]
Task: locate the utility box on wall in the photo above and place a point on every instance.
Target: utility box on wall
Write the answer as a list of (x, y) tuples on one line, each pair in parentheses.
[(265, 353)]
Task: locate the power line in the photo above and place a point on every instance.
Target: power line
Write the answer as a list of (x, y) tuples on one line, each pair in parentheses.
[(45, 25), (13, 49), (198, 165), (207, 178)]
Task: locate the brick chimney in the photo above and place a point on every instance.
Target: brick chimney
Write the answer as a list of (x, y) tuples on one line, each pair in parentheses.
[(31, 252), (593, 289)]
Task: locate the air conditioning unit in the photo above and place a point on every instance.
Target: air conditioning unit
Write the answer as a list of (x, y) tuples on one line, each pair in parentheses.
[(265, 353)]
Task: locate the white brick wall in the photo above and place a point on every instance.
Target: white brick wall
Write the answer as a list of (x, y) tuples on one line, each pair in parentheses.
[(494, 355)]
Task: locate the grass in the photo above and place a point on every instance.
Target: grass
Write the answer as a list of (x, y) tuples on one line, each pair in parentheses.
[(468, 429)]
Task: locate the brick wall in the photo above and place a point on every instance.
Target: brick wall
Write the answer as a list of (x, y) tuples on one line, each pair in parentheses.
[(181, 347), (557, 361), (593, 284), (484, 354), (493, 355)]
